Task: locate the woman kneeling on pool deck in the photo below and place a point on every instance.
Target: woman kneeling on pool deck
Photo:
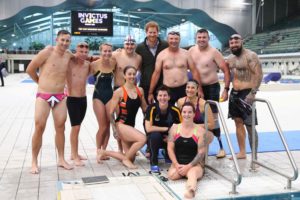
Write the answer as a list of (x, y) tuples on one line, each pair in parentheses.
[(187, 146), (128, 99)]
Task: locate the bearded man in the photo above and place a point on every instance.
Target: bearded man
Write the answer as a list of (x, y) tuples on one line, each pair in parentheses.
[(246, 72)]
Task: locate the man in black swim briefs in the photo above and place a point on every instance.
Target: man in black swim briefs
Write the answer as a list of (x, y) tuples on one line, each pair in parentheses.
[(125, 57), (208, 61), (78, 72)]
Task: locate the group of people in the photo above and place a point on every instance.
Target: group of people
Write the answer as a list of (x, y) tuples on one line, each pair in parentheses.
[(173, 104)]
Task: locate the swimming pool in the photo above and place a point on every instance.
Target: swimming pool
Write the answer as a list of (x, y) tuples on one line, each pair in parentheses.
[(287, 80), (280, 196)]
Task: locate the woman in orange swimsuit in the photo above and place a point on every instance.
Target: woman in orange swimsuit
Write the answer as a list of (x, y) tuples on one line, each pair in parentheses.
[(128, 99)]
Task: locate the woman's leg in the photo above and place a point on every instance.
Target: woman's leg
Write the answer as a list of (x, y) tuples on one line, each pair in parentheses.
[(193, 175), (120, 145), (117, 155), (100, 113), (114, 154), (173, 174), (107, 132), (131, 135), (132, 139), (125, 146)]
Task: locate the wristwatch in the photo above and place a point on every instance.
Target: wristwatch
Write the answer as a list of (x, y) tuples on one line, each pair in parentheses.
[(227, 88)]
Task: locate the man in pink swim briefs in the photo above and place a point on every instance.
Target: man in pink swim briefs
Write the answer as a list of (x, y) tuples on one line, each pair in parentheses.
[(52, 63)]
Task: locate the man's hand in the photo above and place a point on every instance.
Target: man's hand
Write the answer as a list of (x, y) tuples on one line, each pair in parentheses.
[(165, 137), (250, 98), (224, 96), (150, 99), (200, 93), (115, 132)]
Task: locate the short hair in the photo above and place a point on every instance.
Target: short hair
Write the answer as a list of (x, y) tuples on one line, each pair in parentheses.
[(63, 32), (188, 103), (105, 44), (128, 67), (163, 88), (152, 24), (194, 81), (82, 44), (174, 33), (202, 30)]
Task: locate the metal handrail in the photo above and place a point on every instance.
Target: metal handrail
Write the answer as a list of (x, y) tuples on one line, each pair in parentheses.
[(238, 179), (254, 158)]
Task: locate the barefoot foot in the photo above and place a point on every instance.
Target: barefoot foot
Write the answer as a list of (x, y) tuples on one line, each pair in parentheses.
[(34, 169), (80, 157), (129, 164), (105, 158), (189, 193), (64, 165), (78, 163), (100, 155), (239, 156)]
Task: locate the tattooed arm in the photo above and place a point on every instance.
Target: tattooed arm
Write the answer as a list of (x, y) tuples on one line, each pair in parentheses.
[(257, 75), (256, 69), (203, 142)]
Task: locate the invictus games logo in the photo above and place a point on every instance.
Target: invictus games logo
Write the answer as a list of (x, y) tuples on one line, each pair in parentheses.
[(89, 23), (90, 19)]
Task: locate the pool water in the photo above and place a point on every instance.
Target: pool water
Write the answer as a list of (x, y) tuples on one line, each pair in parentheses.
[(289, 81), (281, 196)]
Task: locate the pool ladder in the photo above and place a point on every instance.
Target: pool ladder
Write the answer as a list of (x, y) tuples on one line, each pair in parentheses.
[(254, 159), (234, 181)]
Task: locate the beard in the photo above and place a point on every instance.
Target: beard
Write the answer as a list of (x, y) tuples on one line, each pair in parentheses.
[(237, 51)]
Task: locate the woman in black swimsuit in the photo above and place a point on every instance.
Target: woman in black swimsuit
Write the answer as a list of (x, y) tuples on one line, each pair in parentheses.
[(128, 99), (187, 145), (103, 69)]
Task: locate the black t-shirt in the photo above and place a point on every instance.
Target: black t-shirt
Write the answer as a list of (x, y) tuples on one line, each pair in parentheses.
[(154, 115)]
